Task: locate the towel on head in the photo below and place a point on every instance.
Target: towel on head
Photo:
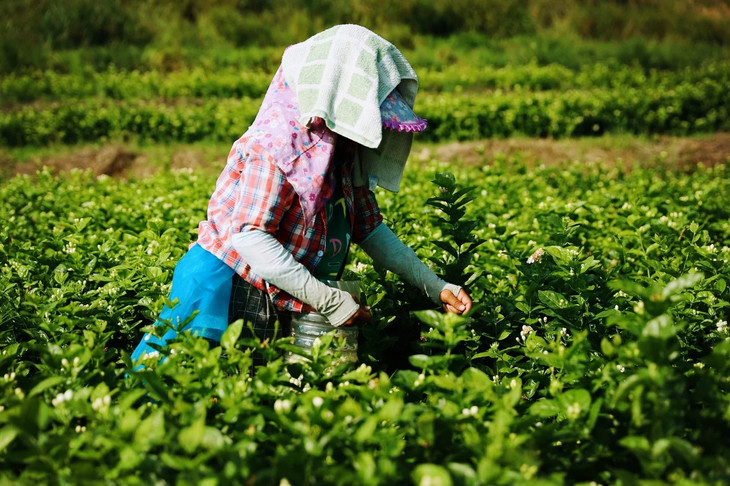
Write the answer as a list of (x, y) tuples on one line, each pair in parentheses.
[(343, 75)]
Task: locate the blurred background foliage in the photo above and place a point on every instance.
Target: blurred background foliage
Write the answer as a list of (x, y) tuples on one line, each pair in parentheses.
[(158, 33)]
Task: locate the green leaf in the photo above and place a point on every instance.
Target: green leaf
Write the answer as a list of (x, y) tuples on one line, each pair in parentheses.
[(575, 402), (607, 347), (660, 327), (545, 408), (627, 286), (46, 384), (624, 388), (636, 444), (684, 448), (365, 433), (684, 282), (191, 436), (90, 266), (437, 320), (476, 380), (151, 430), (553, 300), (129, 398), (445, 179), (420, 361), (464, 474), (431, 475), (405, 379), (391, 409), (447, 247), (559, 254), (593, 414), (60, 274), (7, 435), (231, 335), (523, 306)]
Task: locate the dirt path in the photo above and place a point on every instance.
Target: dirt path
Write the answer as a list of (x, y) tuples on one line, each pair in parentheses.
[(670, 152)]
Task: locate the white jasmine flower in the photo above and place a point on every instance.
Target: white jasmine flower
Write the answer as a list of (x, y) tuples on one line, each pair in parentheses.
[(535, 257), (419, 381), (721, 326), (282, 406), (62, 397), (526, 330), (470, 411), (573, 411)]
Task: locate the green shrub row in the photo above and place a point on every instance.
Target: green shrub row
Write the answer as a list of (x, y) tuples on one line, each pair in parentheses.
[(681, 110), (533, 77), (684, 109), (146, 121), (232, 82), (114, 84)]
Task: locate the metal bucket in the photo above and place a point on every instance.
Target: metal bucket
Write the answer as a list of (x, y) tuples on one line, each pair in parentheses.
[(307, 327)]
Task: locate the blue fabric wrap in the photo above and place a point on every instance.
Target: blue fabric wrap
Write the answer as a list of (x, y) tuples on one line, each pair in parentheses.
[(201, 282)]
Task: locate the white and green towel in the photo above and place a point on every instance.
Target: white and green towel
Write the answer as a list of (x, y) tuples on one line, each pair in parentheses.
[(342, 75)]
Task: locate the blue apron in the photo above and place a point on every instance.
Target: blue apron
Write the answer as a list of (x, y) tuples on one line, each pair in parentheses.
[(201, 282)]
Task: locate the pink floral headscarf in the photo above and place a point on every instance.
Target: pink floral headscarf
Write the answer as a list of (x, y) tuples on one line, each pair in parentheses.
[(302, 154)]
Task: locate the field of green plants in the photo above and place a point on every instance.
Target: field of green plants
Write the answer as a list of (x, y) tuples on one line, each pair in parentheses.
[(598, 351), (460, 103)]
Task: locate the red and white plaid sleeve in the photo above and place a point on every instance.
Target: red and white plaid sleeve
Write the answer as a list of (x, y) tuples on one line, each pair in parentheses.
[(251, 191), (264, 198)]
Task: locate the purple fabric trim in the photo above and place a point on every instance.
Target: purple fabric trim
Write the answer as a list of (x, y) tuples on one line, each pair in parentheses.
[(400, 126), (396, 114)]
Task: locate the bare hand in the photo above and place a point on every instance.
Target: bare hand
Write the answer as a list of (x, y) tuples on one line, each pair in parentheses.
[(362, 316), (458, 304)]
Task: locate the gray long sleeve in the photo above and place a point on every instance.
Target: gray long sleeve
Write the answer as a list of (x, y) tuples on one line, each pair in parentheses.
[(387, 250), (272, 262)]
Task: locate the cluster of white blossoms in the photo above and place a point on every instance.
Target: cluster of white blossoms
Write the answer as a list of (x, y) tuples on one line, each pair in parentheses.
[(62, 397), (526, 330), (282, 406), (152, 246), (419, 380), (573, 410), (535, 257), (722, 326), (472, 411), (101, 404)]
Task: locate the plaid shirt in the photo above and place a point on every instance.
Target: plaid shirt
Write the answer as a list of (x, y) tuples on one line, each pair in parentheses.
[(251, 191)]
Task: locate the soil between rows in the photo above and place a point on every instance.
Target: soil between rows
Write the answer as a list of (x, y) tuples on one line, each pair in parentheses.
[(668, 152)]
